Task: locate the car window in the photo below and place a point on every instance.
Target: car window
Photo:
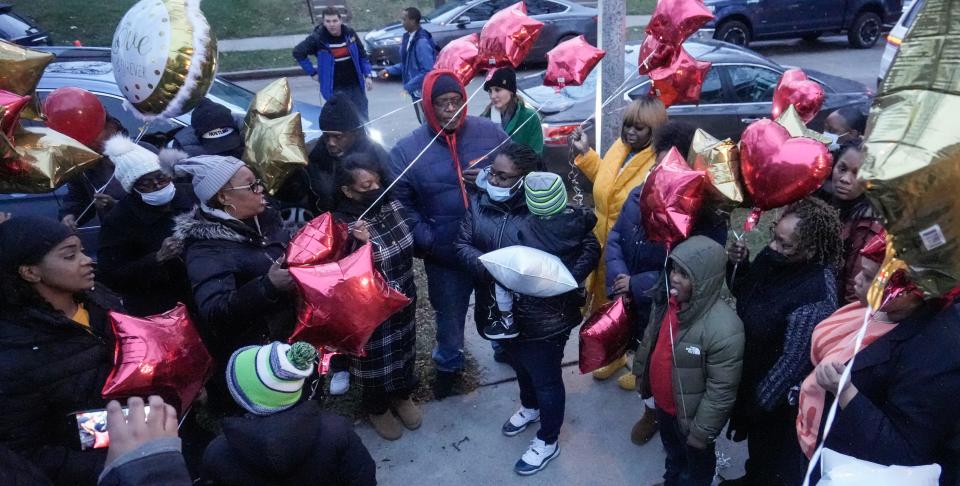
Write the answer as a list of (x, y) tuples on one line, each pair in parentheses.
[(443, 12), (753, 84), (230, 93), (12, 27), (483, 11), (542, 7)]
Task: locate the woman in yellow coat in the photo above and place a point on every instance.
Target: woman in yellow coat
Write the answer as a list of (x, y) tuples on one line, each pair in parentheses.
[(624, 167)]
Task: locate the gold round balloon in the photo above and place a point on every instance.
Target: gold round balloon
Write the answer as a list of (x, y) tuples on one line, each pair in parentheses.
[(164, 57)]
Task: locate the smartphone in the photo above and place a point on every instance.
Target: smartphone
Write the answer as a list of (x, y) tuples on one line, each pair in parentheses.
[(92, 427)]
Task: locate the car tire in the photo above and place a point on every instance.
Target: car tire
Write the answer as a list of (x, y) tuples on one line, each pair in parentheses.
[(865, 31), (734, 32), (811, 36)]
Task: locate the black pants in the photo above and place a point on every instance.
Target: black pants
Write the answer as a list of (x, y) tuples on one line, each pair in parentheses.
[(686, 466), (775, 455), (540, 377)]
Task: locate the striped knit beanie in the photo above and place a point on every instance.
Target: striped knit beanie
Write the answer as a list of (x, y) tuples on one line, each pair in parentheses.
[(546, 194), (269, 379)]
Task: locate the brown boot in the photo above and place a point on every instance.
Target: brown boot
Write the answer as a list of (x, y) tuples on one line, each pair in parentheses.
[(645, 428), (608, 370), (408, 412), (387, 425)]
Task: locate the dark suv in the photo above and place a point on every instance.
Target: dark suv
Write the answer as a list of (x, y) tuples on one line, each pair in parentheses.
[(742, 21)]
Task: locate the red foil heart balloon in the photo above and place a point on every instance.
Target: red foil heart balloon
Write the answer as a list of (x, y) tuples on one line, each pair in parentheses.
[(570, 62), (796, 89), (681, 81), (460, 56), (322, 240), (673, 21), (158, 355), (671, 198), (777, 169), (507, 37), (605, 336)]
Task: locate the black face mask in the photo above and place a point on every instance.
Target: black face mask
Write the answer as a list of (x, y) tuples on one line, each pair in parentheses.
[(367, 198), (772, 257)]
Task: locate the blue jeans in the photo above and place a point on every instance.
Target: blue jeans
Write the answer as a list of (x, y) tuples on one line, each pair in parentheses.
[(537, 364), (449, 290), (686, 466)]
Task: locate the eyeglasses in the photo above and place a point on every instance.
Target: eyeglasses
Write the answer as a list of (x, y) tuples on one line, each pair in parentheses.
[(256, 187), (441, 104), (153, 183), (500, 176)]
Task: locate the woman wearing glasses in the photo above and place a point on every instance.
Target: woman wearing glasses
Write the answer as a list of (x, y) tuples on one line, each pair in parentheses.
[(139, 257), (232, 247)]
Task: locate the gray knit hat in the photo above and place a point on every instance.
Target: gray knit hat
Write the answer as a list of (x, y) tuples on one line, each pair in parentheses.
[(210, 173), (546, 194)]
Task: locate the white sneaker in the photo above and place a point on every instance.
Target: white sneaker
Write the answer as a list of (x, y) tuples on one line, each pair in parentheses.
[(340, 383), (519, 421), (536, 457)]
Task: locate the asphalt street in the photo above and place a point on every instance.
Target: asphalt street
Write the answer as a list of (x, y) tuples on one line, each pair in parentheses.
[(831, 55)]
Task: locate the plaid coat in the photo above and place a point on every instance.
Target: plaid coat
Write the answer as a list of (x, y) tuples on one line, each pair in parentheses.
[(391, 350)]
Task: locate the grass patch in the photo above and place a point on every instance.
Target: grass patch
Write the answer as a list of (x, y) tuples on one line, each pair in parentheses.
[(640, 7), (264, 59)]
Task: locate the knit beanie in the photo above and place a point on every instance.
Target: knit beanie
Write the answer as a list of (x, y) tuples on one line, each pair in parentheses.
[(445, 83), (269, 379), (545, 192), (339, 115), (130, 160), (25, 240), (210, 173), (504, 77)]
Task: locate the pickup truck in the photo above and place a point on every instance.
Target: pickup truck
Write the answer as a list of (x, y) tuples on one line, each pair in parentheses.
[(742, 21)]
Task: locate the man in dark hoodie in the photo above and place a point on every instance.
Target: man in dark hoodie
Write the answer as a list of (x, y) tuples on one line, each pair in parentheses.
[(435, 192), (418, 52), (342, 62)]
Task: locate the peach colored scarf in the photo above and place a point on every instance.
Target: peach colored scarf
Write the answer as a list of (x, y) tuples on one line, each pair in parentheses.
[(833, 340)]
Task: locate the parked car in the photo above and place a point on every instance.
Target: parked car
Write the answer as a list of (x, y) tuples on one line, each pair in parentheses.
[(896, 35), (743, 21), (90, 68), (563, 20), (737, 91), (21, 30)]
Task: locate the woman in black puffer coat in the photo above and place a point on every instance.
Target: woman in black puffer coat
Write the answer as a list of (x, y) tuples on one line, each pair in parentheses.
[(56, 347), (545, 323)]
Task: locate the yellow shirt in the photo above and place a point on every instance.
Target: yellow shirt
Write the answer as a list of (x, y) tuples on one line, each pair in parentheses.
[(82, 317)]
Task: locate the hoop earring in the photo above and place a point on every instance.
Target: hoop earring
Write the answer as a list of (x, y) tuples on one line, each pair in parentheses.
[(226, 208)]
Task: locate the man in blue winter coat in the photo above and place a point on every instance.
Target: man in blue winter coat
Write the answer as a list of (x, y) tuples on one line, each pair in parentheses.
[(435, 192), (342, 62), (417, 55)]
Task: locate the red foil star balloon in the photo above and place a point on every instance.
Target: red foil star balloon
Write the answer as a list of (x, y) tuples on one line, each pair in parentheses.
[(605, 336), (570, 62), (655, 54), (681, 81), (673, 21), (158, 355), (778, 169), (460, 56), (322, 240), (671, 198), (11, 104), (507, 37), (344, 302), (794, 88)]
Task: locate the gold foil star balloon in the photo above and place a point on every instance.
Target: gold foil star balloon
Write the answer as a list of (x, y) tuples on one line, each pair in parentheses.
[(272, 101), (720, 159), (20, 71), (912, 166), (790, 119), (274, 148), (44, 160)]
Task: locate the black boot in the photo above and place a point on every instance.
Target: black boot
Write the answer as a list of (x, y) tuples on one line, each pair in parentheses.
[(443, 384)]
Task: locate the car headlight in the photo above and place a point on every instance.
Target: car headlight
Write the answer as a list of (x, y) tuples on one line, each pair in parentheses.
[(393, 41)]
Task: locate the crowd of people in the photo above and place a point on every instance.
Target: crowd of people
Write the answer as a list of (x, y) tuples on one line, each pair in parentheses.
[(191, 224)]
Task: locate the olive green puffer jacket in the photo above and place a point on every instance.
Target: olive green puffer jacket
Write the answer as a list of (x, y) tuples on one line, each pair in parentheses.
[(709, 345)]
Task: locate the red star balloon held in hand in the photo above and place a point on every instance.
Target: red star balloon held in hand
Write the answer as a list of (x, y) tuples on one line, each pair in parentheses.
[(158, 355), (673, 21), (794, 88), (322, 240), (671, 198), (681, 81), (570, 62), (343, 302), (11, 104), (507, 37), (460, 56)]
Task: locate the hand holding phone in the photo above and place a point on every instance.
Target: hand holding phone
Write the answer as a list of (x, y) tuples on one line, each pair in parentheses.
[(140, 425)]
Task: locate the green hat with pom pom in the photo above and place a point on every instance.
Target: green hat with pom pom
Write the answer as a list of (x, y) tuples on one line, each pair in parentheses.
[(269, 379)]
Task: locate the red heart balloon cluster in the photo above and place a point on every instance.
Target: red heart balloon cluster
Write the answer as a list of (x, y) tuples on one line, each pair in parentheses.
[(778, 169), (671, 198), (794, 88), (158, 355), (676, 76), (507, 37), (570, 62), (460, 56), (320, 241)]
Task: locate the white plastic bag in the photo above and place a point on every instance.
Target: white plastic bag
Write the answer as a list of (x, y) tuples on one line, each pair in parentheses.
[(529, 271), (843, 470)]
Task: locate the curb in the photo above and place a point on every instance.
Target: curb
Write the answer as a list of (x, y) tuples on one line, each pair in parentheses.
[(262, 73)]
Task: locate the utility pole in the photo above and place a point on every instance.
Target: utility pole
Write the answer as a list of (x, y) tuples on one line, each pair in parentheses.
[(611, 34)]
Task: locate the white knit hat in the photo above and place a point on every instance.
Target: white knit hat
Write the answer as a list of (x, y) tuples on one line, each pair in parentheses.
[(130, 160)]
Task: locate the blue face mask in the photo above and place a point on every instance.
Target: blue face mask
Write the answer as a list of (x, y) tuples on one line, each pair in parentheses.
[(498, 194)]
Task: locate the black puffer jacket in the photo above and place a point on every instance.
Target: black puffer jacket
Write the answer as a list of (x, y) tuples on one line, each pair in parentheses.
[(303, 445), (488, 226), (51, 366), (130, 237), (227, 262)]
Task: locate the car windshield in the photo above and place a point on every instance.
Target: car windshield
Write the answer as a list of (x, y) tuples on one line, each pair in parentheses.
[(13, 27), (230, 93), (444, 12)]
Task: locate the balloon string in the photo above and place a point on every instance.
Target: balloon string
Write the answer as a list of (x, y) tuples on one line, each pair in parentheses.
[(574, 176), (381, 117), (673, 344), (143, 131), (415, 159), (733, 277), (617, 92), (95, 192), (484, 156)]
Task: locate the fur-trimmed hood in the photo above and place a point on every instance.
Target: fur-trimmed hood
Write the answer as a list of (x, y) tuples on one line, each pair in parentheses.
[(198, 225)]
